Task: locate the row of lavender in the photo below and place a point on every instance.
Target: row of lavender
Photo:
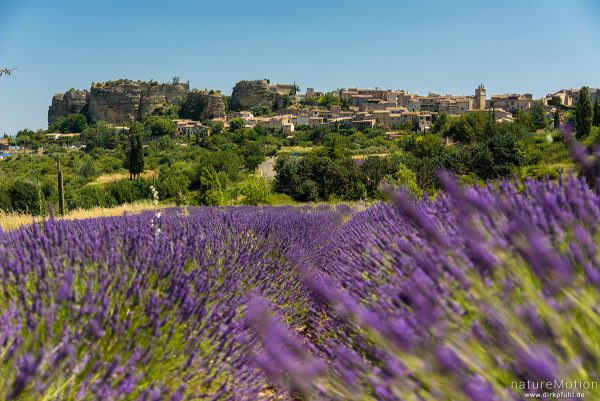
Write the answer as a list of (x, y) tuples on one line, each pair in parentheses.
[(147, 307), (455, 298), (479, 295)]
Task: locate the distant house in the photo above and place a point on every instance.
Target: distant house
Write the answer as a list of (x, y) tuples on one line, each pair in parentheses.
[(58, 136), (281, 123), (188, 127), (362, 124), (340, 122), (568, 97), (392, 135), (512, 102)]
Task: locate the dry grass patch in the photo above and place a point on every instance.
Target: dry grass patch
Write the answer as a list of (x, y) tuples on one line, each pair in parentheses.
[(11, 220), (118, 176)]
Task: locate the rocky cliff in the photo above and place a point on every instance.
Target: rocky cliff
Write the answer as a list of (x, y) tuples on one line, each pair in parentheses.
[(201, 105), (71, 102), (119, 102), (249, 94)]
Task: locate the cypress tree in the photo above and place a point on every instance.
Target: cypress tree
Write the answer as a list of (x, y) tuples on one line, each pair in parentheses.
[(583, 114), (538, 115), (556, 119), (61, 196), (136, 150), (596, 119)]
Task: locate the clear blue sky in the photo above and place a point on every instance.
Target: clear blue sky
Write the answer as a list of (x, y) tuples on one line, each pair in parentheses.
[(536, 46)]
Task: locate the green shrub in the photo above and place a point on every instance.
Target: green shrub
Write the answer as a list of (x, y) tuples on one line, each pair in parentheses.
[(88, 197), (405, 179), (173, 185), (129, 191), (308, 191), (26, 197), (539, 172), (210, 192), (5, 203), (255, 191)]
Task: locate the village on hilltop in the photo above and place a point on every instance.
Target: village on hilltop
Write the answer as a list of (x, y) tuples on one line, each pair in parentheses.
[(282, 107), (369, 108)]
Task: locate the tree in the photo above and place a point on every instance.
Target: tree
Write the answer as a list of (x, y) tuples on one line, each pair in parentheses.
[(174, 185), (538, 115), (405, 178), (100, 135), (167, 110), (136, 150), (236, 124), (71, 123), (255, 191), (334, 147), (88, 169), (328, 100), (160, 126), (308, 191), (469, 126), (262, 110), (25, 197), (583, 114), (217, 127), (441, 124), (209, 191), (596, 118), (556, 119), (428, 145), (252, 162), (524, 119), (286, 175), (375, 169)]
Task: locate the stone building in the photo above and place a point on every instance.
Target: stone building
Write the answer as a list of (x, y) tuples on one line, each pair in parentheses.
[(479, 102), (512, 102)]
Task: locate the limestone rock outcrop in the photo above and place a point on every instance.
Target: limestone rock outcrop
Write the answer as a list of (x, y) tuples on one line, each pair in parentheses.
[(249, 94), (71, 102), (215, 107), (119, 102), (201, 105)]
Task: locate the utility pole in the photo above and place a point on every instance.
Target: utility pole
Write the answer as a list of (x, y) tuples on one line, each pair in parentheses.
[(61, 195)]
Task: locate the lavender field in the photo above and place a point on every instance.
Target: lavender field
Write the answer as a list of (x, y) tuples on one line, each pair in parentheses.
[(465, 297)]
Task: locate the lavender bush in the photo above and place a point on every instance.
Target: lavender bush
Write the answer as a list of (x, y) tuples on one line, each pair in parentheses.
[(462, 297), (456, 298), (145, 307)]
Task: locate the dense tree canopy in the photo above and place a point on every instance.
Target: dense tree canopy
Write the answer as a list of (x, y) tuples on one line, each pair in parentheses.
[(538, 115), (468, 127), (71, 123), (160, 126)]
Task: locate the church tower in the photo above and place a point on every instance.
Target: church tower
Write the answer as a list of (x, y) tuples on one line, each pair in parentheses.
[(479, 103)]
